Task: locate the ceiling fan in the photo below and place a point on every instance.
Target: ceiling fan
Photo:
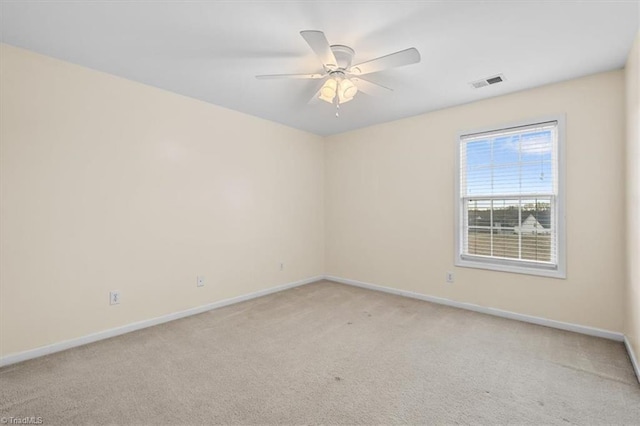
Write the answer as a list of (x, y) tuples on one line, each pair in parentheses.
[(342, 79)]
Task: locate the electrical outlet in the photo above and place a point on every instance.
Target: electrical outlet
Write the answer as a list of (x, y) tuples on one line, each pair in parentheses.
[(200, 281), (282, 266), (450, 277), (114, 297)]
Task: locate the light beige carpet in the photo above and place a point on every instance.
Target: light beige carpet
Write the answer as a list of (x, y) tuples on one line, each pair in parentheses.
[(329, 353)]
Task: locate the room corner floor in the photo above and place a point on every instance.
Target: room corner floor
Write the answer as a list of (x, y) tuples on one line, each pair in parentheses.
[(330, 353)]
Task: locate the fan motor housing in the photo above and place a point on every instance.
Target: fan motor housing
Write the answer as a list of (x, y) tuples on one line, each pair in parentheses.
[(344, 55)]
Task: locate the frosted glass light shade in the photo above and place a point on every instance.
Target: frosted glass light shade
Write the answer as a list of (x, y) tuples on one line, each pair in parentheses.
[(328, 90), (346, 90)]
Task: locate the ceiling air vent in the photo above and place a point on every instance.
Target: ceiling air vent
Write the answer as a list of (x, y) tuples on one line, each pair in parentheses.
[(487, 81)]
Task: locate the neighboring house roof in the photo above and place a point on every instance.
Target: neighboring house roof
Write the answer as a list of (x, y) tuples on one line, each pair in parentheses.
[(531, 225)]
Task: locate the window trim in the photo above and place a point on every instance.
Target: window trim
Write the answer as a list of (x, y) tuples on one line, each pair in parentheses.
[(506, 265)]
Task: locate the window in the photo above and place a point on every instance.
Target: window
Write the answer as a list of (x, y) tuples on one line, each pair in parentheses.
[(510, 206)]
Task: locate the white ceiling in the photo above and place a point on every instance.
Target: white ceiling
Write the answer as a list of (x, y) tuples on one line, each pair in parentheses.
[(211, 50)]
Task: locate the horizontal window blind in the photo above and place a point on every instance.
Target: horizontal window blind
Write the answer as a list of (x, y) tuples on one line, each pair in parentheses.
[(508, 194)]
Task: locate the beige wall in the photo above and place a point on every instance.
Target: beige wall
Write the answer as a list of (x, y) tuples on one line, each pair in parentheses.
[(632, 72), (389, 199), (110, 184)]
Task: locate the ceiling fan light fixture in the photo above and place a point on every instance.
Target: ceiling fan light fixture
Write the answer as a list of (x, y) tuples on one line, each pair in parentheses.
[(328, 90), (346, 90)]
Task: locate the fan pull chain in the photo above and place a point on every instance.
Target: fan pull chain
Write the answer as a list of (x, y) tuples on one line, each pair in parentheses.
[(337, 110)]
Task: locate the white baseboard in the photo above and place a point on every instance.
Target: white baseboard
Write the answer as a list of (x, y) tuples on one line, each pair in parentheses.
[(101, 335), (632, 357), (591, 331)]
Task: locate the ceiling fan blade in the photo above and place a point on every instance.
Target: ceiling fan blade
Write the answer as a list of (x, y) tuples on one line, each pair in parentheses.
[(370, 88), (294, 76), (319, 44), (398, 59), (315, 99)]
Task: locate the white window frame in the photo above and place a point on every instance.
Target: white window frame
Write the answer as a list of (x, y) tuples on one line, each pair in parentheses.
[(517, 266)]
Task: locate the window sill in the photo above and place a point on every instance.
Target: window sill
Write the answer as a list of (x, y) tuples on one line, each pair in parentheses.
[(496, 265)]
